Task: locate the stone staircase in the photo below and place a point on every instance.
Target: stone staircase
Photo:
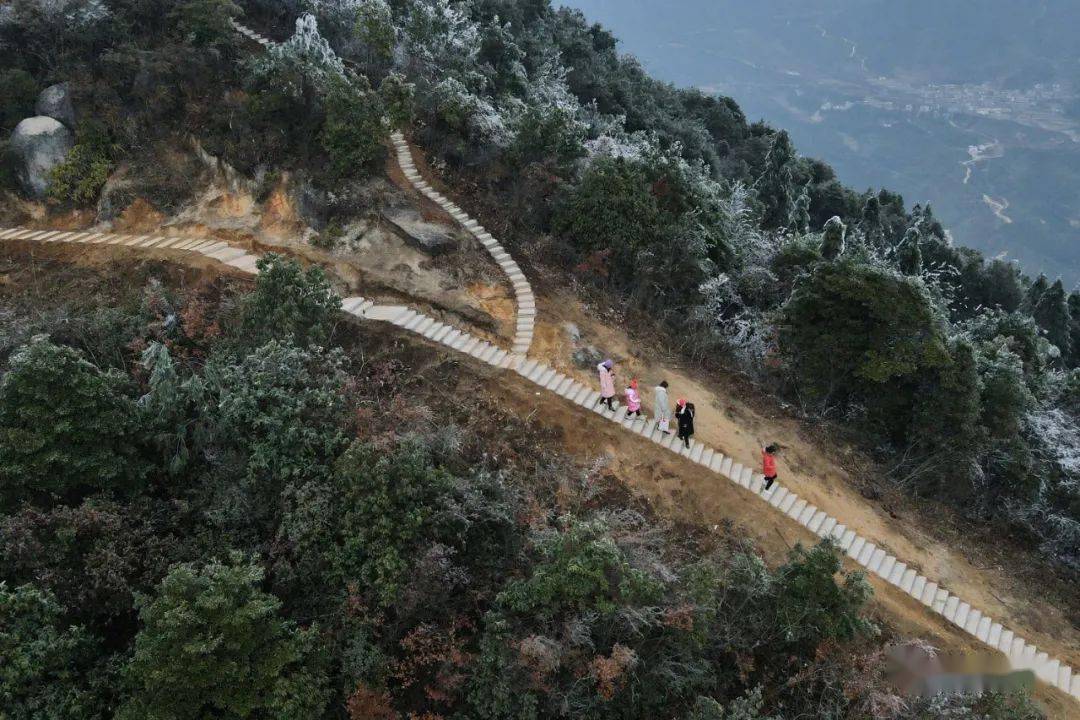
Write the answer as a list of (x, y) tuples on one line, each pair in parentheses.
[(213, 249), (252, 35), (525, 300)]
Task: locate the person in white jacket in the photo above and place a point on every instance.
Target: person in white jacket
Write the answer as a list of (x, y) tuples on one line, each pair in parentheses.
[(662, 406)]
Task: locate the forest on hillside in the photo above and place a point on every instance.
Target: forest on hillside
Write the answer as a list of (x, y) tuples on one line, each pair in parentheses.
[(217, 502)]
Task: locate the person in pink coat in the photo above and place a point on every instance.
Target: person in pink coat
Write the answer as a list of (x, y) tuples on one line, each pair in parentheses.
[(633, 400), (607, 383)]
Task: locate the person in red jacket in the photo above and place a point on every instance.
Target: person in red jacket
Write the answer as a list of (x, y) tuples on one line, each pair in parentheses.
[(768, 464)]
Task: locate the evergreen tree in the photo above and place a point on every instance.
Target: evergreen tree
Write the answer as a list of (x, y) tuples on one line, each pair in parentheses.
[(870, 223), (947, 414), (908, 254), (774, 186), (290, 304), (43, 659), (66, 426), (799, 218), (1052, 314), (832, 239), (1074, 327), (1035, 293), (212, 644)]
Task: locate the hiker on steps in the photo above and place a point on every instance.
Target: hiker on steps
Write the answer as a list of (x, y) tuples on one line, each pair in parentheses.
[(633, 400), (684, 415), (768, 464), (607, 383), (662, 407)]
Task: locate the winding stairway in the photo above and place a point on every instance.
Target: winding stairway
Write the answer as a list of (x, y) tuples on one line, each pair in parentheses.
[(1021, 653)]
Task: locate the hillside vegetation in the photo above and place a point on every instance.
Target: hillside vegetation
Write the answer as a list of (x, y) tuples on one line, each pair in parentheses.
[(218, 502)]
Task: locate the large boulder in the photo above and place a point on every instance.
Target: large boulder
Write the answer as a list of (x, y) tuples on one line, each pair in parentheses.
[(427, 237), (55, 102), (38, 144)]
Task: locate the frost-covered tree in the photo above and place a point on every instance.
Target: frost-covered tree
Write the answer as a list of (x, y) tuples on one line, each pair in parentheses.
[(441, 40), (398, 97), (310, 49), (870, 221), (374, 26), (549, 123), (1035, 292), (908, 253), (46, 31), (472, 116), (774, 185), (1052, 313), (799, 218), (832, 238)]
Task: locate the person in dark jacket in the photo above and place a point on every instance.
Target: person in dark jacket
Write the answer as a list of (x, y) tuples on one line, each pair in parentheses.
[(684, 416)]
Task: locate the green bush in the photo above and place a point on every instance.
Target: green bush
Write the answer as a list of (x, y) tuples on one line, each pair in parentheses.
[(580, 569), (206, 23), (66, 427), (398, 96), (213, 645), (389, 500), (79, 179), (355, 130), (282, 408), (42, 659), (290, 304), (854, 332)]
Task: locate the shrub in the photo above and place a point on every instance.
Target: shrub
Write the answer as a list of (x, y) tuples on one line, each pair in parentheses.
[(581, 569), (398, 96), (355, 128), (65, 426), (389, 500), (206, 23), (42, 657), (857, 333), (213, 645), (290, 304), (282, 408), (79, 179)]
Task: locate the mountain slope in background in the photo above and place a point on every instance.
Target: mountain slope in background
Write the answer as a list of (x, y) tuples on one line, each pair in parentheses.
[(973, 107)]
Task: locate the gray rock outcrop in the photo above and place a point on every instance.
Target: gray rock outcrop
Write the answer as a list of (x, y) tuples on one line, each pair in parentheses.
[(427, 237), (39, 144), (55, 102)]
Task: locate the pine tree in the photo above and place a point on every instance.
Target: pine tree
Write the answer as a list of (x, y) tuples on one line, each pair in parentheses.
[(1052, 315), (799, 218), (775, 184), (1035, 293), (1074, 328), (870, 224), (908, 254), (832, 239)]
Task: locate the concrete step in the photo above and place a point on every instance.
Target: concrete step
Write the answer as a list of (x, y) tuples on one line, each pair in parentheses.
[(433, 329)]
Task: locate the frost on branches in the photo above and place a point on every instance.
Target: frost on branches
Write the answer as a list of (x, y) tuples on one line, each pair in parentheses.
[(440, 39), (306, 56), (1056, 437), (476, 115)]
